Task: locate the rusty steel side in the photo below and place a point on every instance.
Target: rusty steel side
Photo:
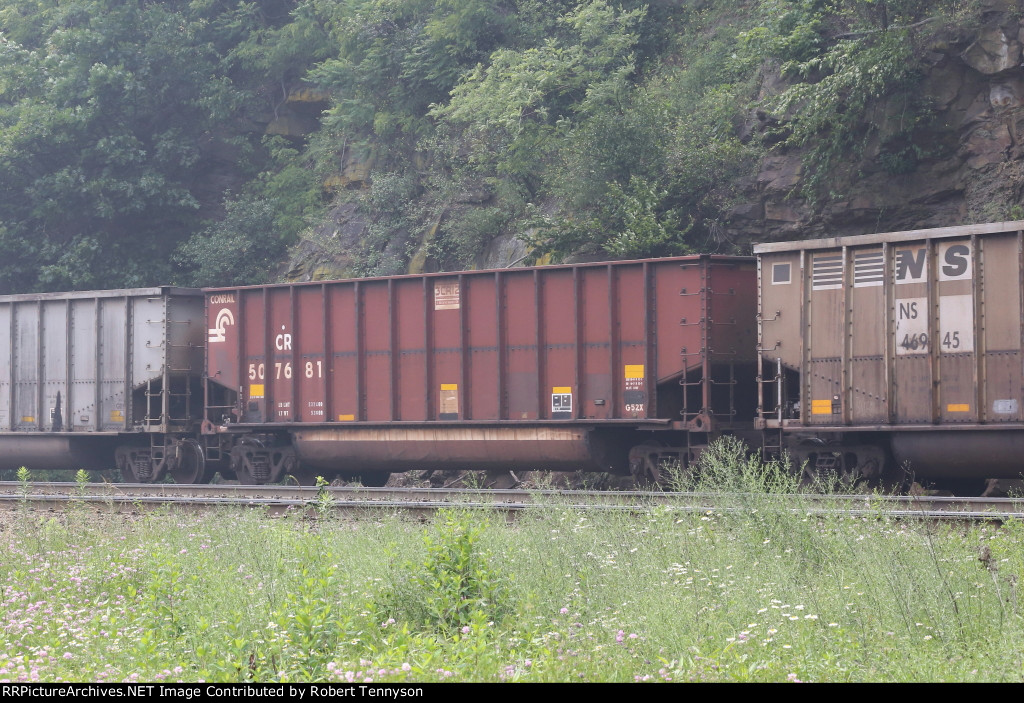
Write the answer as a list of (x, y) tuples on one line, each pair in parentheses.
[(386, 449), (586, 342)]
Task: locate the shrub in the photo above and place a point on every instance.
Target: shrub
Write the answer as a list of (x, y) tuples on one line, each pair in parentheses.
[(455, 585)]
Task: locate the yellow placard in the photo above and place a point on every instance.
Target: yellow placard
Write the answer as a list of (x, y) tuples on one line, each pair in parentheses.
[(346, 418), (448, 403), (28, 418), (958, 408), (634, 370), (256, 390), (116, 416), (821, 407), (562, 389)]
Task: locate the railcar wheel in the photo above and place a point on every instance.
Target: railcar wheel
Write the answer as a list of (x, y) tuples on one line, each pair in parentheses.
[(124, 466), (645, 465), (137, 465), (255, 463), (831, 466), (189, 464)]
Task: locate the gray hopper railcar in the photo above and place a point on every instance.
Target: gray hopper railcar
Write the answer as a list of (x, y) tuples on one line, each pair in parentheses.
[(104, 378)]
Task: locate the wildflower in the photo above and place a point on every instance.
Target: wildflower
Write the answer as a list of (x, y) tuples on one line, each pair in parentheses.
[(465, 629), (564, 611), (406, 667)]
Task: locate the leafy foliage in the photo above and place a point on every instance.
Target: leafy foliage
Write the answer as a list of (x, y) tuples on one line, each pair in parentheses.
[(132, 149), (108, 112), (841, 89), (456, 585), (524, 97), (252, 237)]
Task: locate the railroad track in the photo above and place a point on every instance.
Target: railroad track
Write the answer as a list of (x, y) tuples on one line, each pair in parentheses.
[(279, 499)]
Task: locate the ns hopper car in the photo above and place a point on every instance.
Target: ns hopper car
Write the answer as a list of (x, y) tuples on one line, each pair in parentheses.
[(901, 352)]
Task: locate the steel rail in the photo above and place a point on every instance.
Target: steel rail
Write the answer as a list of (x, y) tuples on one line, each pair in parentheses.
[(279, 499)]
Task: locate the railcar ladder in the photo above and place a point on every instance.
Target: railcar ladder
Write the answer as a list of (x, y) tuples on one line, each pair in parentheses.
[(772, 442)]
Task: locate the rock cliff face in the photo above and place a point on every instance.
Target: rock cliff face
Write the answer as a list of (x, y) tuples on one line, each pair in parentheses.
[(973, 170), (968, 167)]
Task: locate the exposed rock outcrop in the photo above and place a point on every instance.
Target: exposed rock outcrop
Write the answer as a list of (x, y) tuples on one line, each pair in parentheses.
[(973, 173), (966, 165)]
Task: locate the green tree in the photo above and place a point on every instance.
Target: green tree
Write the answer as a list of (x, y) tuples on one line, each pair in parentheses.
[(111, 113), (514, 106)]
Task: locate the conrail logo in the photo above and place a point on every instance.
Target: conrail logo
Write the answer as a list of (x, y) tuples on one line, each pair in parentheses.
[(221, 299), (224, 318)]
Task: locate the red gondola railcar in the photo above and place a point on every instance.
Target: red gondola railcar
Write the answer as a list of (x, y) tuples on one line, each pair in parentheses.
[(597, 366)]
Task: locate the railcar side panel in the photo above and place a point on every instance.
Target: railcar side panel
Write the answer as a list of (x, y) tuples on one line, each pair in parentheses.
[(999, 312), (902, 333), (108, 363), (553, 343), (631, 342), (597, 322), (343, 367), (479, 307), (25, 348), (867, 389)]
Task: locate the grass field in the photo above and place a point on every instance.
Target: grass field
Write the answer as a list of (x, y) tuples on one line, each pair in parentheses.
[(759, 590)]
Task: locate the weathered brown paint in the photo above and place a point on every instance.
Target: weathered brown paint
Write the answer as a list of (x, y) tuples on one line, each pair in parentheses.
[(515, 336), (958, 288)]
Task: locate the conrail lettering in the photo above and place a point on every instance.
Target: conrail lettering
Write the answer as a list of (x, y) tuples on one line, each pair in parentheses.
[(221, 299)]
